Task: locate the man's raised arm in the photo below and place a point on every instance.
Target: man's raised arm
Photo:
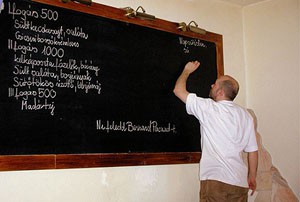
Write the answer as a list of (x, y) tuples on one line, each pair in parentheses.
[(180, 87)]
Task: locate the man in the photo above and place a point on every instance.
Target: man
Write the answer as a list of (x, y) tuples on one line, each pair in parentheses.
[(226, 131)]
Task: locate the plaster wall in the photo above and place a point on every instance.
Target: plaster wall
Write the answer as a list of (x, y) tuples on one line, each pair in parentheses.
[(272, 69)]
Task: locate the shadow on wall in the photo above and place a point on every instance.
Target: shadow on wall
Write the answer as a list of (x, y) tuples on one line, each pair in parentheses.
[(271, 186)]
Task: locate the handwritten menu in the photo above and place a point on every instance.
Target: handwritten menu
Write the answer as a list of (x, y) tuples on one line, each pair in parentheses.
[(72, 82), (41, 66)]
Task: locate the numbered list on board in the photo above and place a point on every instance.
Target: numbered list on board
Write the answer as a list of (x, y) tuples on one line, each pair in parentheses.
[(42, 59)]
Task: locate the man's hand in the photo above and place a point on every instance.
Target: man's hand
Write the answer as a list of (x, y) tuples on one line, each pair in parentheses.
[(190, 67), (252, 184)]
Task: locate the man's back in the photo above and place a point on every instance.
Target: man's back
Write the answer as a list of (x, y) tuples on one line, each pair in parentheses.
[(226, 131)]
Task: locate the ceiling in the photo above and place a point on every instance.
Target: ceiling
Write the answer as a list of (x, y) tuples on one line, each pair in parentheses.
[(243, 2)]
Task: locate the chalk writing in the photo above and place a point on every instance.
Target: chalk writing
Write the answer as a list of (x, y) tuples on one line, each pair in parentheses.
[(190, 42), (78, 32), (38, 104), (13, 45), (36, 38), (36, 78), (129, 126), (24, 13)]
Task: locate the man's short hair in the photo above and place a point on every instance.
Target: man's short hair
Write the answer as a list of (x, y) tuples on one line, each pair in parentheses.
[(230, 87)]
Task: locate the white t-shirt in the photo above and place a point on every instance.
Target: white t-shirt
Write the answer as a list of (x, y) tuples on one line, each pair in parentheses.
[(226, 131)]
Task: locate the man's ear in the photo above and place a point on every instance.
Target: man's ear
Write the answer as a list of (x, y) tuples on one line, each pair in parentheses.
[(220, 92)]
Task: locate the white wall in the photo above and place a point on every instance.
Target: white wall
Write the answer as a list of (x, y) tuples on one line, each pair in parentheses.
[(272, 57), (172, 183)]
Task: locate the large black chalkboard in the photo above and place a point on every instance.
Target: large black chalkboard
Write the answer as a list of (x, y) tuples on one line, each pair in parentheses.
[(75, 83)]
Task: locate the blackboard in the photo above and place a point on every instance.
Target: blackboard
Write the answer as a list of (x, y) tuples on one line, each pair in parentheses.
[(77, 83)]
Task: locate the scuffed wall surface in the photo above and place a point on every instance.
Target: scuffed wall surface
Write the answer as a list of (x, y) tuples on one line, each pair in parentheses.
[(271, 186)]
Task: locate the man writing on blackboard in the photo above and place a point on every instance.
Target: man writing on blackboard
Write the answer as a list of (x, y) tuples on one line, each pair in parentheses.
[(226, 131)]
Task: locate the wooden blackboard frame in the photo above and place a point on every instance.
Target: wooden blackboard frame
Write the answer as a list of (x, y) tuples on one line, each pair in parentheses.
[(63, 161)]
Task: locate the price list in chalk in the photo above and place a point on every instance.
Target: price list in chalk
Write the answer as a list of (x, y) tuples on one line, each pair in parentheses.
[(42, 59)]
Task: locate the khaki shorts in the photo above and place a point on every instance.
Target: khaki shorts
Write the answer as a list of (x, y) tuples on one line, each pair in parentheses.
[(215, 191)]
